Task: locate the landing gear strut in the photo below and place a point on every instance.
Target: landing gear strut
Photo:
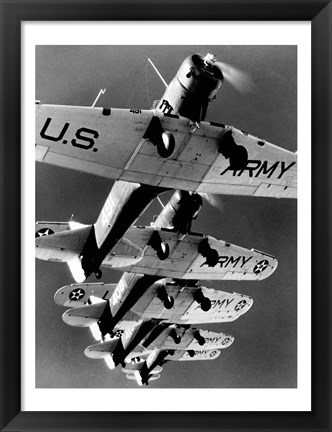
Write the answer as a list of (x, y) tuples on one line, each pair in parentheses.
[(98, 274), (175, 336), (210, 254), (205, 302), (237, 154), (164, 140), (165, 298), (199, 338), (161, 247)]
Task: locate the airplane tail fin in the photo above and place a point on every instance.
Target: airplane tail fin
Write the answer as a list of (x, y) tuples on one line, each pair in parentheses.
[(84, 316), (62, 242), (103, 350), (133, 372)]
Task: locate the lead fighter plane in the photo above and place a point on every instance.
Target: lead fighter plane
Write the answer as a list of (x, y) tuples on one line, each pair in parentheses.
[(169, 146)]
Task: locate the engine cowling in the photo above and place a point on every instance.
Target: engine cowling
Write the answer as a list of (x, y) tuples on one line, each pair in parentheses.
[(180, 211), (195, 85)]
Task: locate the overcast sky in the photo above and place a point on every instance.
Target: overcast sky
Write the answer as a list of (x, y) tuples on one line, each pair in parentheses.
[(264, 352)]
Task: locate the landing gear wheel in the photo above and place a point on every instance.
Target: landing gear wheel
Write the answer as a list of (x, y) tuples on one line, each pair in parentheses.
[(169, 302), (212, 257), (199, 338), (176, 338), (201, 341), (206, 304), (166, 144), (239, 158), (98, 274), (163, 251)]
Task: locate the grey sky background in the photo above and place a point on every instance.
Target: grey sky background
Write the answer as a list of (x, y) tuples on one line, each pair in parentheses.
[(264, 352)]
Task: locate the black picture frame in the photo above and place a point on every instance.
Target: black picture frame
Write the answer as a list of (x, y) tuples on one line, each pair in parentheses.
[(12, 14)]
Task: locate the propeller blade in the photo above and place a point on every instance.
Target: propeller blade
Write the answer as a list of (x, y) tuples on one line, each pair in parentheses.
[(213, 199), (241, 81)]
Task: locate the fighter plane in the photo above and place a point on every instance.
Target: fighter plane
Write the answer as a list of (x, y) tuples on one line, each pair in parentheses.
[(169, 146), (133, 328), (167, 248), (185, 256)]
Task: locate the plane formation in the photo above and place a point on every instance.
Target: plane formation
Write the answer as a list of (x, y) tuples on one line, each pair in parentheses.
[(152, 315)]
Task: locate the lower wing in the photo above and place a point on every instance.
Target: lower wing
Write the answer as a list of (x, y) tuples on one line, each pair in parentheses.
[(190, 257), (116, 144)]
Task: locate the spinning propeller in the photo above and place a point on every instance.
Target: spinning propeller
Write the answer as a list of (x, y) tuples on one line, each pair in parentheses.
[(241, 81)]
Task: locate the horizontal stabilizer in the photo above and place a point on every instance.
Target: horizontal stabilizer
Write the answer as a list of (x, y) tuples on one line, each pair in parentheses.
[(48, 228), (136, 377), (130, 367), (101, 350), (84, 316), (76, 295), (62, 246)]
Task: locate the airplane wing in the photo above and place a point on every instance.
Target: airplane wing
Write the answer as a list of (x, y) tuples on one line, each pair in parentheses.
[(212, 341), (224, 306), (144, 367), (113, 143), (134, 253), (186, 262), (190, 340), (179, 355)]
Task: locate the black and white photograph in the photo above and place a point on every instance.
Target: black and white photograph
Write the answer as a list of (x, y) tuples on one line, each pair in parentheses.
[(166, 216)]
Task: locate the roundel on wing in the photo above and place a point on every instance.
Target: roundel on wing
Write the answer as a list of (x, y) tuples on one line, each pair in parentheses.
[(261, 266), (213, 353), (240, 305), (118, 333), (225, 341), (44, 232), (77, 294)]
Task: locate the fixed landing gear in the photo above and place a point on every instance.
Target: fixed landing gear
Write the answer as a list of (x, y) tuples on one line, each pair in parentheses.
[(165, 298), (163, 140), (199, 338), (210, 254), (166, 145), (163, 251), (161, 247), (237, 154), (239, 158), (205, 302), (98, 274), (175, 336)]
